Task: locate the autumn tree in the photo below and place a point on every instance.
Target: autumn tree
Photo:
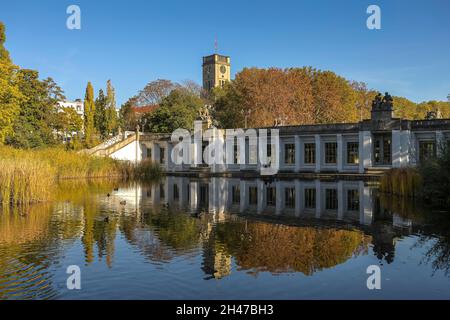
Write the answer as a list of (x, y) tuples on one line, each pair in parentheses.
[(127, 116)]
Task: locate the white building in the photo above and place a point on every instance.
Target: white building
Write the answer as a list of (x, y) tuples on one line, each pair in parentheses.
[(77, 105), (369, 146)]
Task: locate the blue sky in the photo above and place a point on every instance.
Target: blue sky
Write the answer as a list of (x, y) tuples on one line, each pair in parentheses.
[(135, 41)]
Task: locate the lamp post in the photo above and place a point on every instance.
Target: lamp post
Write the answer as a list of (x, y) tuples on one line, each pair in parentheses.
[(246, 114)]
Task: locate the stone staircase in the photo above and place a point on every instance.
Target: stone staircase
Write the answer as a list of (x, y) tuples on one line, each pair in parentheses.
[(111, 145)]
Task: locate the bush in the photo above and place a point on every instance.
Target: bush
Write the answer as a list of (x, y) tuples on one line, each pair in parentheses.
[(436, 179)]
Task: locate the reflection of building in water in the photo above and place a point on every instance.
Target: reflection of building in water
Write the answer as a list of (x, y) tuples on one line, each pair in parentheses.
[(347, 201)]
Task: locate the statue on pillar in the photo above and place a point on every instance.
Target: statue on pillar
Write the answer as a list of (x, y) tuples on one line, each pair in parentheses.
[(205, 116), (376, 103), (382, 108), (388, 101)]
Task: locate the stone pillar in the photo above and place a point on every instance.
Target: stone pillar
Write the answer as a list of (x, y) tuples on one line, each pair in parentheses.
[(182, 190), (318, 198), (169, 162), (155, 153), (318, 153), (194, 195), (298, 198), (340, 153), (229, 152), (406, 148), (261, 198), (279, 203), (243, 196), (365, 150), (396, 149), (212, 198), (440, 142), (297, 153), (169, 189), (367, 204), (197, 152), (341, 199), (413, 153)]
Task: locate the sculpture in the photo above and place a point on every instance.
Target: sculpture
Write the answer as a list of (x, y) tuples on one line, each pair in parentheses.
[(204, 113), (388, 101), (383, 103), (376, 103)]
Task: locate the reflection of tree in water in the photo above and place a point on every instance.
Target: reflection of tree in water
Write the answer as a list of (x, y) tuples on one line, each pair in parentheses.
[(439, 253), (27, 250), (161, 234), (430, 226), (276, 248)]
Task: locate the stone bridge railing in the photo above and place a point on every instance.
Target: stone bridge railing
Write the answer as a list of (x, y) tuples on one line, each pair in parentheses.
[(113, 144)]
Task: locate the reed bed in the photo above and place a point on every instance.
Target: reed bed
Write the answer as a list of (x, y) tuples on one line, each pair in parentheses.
[(28, 176), (404, 182)]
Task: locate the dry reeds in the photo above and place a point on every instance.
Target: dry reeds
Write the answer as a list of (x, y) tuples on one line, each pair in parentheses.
[(28, 176), (404, 182)]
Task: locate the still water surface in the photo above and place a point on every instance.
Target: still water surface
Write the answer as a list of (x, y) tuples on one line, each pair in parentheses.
[(224, 239)]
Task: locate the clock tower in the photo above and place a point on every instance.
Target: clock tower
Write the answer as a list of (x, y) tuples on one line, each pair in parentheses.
[(216, 71)]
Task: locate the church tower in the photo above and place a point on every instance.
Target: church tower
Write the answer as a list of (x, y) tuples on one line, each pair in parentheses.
[(216, 71)]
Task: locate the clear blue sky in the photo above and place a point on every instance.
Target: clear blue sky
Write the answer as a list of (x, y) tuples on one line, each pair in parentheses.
[(133, 42)]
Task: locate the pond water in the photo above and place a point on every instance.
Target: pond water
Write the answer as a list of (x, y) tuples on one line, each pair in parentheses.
[(182, 238)]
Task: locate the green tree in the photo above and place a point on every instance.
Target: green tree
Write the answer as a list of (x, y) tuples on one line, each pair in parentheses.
[(110, 112), (10, 95), (33, 127), (100, 113), (89, 112), (178, 110)]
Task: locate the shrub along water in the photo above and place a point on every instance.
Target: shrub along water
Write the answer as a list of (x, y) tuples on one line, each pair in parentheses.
[(429, 182), (28, 176)]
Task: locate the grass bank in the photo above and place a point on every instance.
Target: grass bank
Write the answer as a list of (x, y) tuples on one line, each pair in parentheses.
[(28, 176)]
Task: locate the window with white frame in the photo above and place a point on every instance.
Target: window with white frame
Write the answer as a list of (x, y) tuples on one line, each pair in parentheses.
[(330, 152), (310, 153), (352, 152), (289, 198), (289, 153), (310, 198)]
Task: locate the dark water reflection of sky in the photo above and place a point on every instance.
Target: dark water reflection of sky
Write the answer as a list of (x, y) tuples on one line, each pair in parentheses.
[(224, 239)]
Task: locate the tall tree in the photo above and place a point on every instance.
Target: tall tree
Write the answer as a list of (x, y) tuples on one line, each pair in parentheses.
[(89, 112), (100, 113), (178, 110), (127, 116), (110, 112), (4, 54), (35, 123), (155, 91), (10, 95)]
